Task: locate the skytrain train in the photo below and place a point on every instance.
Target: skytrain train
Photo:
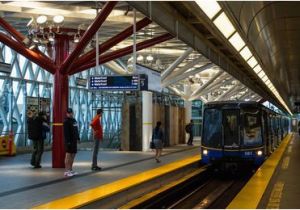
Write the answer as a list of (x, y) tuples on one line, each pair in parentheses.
[(236, 133)]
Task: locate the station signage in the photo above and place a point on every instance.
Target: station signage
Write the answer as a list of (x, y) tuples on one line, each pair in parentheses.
[(5, 68), (80, 82), (118, 83)]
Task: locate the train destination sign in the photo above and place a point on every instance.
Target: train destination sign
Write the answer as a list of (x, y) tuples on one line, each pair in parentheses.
[(111, 83)]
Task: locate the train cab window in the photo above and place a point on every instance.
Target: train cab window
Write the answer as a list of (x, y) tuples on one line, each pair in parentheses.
[(252, 127), (212, 128), (231, 128)]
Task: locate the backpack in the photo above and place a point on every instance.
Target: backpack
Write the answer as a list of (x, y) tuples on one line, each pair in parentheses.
[(188, 128), (33, 129)]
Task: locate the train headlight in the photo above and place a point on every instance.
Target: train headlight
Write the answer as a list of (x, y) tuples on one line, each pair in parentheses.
[(259, 153), (205, 152)]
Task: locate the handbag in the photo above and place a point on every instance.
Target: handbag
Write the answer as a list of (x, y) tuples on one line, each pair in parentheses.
[(152, 146)]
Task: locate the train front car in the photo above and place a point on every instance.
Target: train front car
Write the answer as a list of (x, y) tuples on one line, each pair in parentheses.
[(232, 134)]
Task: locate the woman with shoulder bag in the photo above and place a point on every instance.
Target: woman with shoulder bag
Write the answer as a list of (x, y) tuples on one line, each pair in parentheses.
[(157, 139)]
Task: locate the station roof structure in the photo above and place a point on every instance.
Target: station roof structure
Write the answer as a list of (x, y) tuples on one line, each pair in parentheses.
[(255, 60)]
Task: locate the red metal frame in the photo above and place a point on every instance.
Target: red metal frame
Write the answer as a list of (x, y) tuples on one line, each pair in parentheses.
[(111, 42), (88, 35), (124, 51), (30, 54), (12, 31)]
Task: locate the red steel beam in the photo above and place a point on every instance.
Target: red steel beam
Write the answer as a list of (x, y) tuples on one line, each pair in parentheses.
[(33, 56), (12, 31), (124, 51), (111, 42), (88, 35), (60, 102), (19, 36)]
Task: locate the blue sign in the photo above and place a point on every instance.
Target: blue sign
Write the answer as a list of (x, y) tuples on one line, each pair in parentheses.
[(115, 83)]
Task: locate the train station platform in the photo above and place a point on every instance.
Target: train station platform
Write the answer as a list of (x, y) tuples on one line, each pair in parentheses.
[(24, 187), (276, 184)]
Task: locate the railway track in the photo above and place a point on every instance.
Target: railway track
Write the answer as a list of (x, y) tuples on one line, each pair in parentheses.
[(206, 190)]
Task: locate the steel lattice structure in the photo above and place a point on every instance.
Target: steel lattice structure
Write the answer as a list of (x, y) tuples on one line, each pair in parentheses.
[(28, 79)]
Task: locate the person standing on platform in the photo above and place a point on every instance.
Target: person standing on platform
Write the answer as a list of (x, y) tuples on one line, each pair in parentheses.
[(45, 125), (98, 136), (35, 133), (157, 139), (190, 130), (71, 136)]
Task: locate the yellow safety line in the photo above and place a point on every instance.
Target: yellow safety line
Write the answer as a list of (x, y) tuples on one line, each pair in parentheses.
[(147, 123), (83, 198), (152, 194), (250, 196), (57, 124)]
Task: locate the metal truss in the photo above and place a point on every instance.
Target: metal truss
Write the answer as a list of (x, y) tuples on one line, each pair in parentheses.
[(28, 79)]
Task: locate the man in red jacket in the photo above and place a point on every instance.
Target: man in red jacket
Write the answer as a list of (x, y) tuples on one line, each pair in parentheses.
[(98, 136)]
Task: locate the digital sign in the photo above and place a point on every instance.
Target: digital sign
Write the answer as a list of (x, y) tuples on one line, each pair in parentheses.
[(121, 83)]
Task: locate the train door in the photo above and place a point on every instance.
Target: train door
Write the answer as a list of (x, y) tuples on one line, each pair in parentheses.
[(231, 129), (266, 133)]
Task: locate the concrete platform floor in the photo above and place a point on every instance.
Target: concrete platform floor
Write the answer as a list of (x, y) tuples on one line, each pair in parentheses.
[(24, 187)]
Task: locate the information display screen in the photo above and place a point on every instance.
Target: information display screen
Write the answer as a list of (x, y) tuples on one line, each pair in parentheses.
[(122, 83)]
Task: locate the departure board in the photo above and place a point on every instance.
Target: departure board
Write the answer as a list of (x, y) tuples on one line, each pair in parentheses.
[(121, 83)]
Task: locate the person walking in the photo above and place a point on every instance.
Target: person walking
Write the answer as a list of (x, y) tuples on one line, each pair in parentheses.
[(98, 136), (157, 139), (35, 133), (190, 131), (71, 136)]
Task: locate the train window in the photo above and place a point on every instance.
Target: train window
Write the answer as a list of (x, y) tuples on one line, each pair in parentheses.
[(252, 127), (212, 128)]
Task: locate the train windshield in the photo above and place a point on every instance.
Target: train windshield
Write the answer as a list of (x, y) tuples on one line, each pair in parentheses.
[(212, 130), (252, 127), (231, 128)]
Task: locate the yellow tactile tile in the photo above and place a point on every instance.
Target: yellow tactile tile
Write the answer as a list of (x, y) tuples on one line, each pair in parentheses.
[(250, 196), (83, 198)]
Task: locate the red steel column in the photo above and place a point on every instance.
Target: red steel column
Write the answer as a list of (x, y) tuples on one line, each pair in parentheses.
[(60, 102)]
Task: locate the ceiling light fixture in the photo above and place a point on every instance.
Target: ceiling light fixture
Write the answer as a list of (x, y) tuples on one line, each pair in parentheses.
[(210, 8), (140, 58), (224, 25), (41, 19), (149, 58), (245, 53), (237, 41), (257, 69), (58, 19), (261, 74), (30, 22), (32, 46), (35, 39), (51, 37), (252, 62), (76, 38)]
